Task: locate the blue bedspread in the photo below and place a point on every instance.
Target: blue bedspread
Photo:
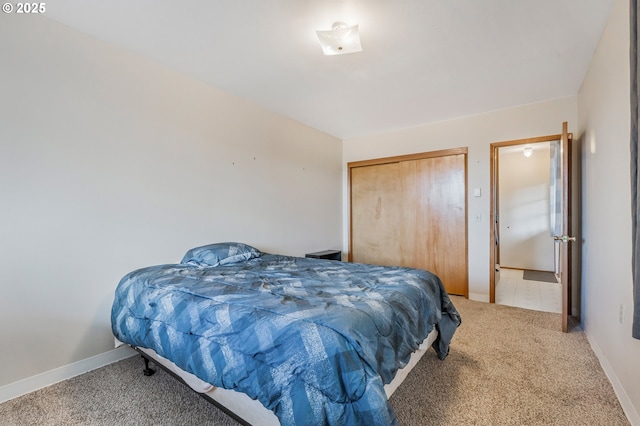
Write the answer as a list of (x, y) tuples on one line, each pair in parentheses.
[(313, 340)]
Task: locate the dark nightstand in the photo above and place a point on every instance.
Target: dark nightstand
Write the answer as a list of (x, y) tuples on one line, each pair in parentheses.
[(326, 254)]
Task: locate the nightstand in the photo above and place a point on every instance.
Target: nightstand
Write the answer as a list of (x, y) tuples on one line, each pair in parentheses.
[(326, 254)]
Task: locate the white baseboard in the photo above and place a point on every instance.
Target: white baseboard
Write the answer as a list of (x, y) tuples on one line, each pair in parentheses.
[(39, 381), (479, 297), (626, 403)]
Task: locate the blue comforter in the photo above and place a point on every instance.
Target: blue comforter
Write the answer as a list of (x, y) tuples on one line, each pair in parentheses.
[(313, 340)]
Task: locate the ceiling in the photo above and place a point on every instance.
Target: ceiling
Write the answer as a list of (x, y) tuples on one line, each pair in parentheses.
[(422, 61)]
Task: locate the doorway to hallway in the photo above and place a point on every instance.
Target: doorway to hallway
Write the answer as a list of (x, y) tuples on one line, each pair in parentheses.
[(524, 215)]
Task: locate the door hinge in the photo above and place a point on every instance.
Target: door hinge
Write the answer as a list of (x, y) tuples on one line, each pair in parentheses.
[(564, 238)]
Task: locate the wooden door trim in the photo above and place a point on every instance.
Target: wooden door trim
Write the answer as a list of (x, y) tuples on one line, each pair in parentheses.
[(399, 158), (493, 175), (418, 156), (525, 141), (565, 248)]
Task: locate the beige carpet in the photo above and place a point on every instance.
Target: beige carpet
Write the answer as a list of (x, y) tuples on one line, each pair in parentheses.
[(507, 366)]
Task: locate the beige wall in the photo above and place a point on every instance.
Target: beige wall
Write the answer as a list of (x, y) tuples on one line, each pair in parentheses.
[(109, 162), (477, 133), (603, 131)]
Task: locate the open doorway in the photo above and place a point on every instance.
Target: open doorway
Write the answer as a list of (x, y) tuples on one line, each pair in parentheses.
[(525, 253)]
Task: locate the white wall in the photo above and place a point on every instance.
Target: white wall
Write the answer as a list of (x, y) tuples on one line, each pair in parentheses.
[(477, 133), (525, 230), (109, 162), (603, 105)]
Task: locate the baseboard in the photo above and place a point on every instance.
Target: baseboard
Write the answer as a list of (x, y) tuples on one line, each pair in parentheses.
[(479, 297), (39, 381), (626, 403)]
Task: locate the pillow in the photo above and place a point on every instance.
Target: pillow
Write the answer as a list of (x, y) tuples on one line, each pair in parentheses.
[(220, 254)]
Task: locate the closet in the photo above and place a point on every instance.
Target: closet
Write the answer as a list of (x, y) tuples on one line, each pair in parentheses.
[(411, 211)]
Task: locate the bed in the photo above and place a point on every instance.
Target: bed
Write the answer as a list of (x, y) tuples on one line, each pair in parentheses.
[(312, 341)]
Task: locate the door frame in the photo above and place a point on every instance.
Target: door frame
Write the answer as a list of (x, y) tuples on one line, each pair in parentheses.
[(494, 201), (567, 260)]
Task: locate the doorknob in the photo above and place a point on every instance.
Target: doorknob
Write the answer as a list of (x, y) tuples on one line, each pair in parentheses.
[(564, 238)]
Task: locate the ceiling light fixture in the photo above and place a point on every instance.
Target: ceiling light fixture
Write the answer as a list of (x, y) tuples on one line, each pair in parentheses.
[(340, 39), (527, 151)]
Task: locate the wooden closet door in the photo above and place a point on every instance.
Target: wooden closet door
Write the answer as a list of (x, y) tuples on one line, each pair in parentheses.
[(433, 225), (376, 211), (412, 213)]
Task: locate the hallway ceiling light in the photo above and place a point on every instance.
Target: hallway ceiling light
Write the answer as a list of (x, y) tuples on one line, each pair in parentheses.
[(527, 151), (340, 39)]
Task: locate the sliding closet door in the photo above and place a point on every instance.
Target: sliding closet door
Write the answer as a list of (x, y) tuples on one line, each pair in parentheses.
[(374, 193), (433, 226), (412, 212)]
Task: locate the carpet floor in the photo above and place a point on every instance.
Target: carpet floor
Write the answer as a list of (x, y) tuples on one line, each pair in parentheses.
[(507, 366)]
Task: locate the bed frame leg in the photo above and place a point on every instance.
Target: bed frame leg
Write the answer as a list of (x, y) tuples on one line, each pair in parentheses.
[(147, 370)]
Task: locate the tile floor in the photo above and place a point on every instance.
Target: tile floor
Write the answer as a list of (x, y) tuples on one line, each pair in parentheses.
[(512, 290)]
